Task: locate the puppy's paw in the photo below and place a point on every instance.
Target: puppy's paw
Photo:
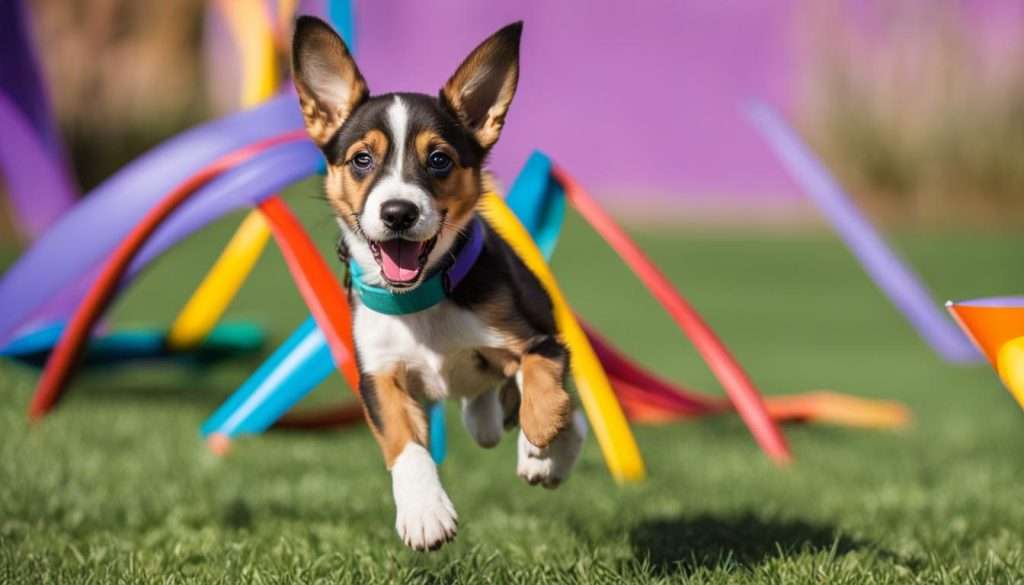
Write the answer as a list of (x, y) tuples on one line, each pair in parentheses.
[(483, 418), (426, 522), (550, 466), (425, 517)]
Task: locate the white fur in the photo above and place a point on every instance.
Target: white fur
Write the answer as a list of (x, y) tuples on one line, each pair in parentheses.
[(425, 517), (391, 186), (398, 121), (436, 345), (549, 467), (483, 418)]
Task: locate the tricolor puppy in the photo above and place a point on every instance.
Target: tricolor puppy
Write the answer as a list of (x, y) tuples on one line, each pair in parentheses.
[(442, 307)]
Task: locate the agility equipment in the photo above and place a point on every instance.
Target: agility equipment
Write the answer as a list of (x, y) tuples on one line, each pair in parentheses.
[(996, 326), (127, 345), (889, 273), (538, 199), (67, 351), (51, 277), (734, 380)]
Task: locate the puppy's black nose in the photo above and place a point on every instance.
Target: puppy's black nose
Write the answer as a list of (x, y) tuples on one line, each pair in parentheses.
[(399, 214)]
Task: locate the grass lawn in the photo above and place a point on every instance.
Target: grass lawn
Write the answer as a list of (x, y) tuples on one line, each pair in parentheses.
[(117, 487)]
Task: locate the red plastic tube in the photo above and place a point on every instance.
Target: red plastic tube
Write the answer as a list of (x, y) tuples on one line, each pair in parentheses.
[(730, 374), (317, 285), (633, 382), (65, 355)]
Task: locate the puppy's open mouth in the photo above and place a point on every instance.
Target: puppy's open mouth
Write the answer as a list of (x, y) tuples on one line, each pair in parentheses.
[(402, 261)]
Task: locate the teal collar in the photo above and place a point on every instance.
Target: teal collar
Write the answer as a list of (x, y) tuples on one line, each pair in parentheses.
[(434, 289)]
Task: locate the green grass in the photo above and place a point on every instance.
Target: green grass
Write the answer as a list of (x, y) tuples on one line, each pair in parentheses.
[(116, 485)]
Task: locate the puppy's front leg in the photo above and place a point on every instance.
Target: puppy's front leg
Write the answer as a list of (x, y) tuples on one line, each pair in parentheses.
[(545, 407), (550, 439), (425, 518)]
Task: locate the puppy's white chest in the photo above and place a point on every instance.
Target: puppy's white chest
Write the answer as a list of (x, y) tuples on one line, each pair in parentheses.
[(430, 343)]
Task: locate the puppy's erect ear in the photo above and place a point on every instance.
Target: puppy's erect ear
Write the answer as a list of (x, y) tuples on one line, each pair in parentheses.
[(482, 88), (329, 83)]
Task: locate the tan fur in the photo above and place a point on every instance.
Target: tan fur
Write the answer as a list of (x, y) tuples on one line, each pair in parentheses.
[(545, 406), (459, 192), (347, 193), (460, 88), (328, 57), (402, 418)]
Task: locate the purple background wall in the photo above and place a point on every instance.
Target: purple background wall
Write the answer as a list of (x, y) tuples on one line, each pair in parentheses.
[(642, 99), (641, 96)]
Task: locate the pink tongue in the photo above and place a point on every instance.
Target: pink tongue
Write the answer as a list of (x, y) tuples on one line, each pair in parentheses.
[(400, 259)]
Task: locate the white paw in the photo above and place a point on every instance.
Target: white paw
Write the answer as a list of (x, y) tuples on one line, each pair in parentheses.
[(425, 517), (549, 467), (483, 418)]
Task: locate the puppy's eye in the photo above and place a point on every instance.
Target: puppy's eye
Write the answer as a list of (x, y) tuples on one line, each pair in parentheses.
[(362, 162), (439, 164)]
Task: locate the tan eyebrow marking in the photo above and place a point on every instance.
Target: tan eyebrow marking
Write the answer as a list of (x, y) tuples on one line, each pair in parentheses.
[(428, 141), (374, 141)]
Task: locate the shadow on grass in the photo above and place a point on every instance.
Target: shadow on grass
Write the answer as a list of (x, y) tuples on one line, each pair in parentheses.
[(682, 545)]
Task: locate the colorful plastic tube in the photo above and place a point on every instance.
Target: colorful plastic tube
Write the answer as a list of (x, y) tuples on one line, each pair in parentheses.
[(730, 374), (304, 359), (66, 353), (316, 283), (215, 293), (250, 26), (73, 248), (895, 278), (225, 341)]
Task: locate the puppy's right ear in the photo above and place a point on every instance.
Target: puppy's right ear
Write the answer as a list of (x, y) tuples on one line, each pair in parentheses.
[(329, 83)]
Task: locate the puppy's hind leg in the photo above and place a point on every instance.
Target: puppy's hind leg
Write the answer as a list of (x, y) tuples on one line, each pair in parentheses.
[(483, 417), (425, 517), (551, 465)]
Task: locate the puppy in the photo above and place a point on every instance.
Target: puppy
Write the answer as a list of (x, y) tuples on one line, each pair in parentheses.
[(442, 307)]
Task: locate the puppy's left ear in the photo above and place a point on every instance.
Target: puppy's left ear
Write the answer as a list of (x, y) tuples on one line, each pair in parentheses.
[(482, 88), (329, 83)]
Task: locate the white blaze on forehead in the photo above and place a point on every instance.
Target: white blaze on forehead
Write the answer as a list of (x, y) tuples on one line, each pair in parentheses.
[(398, 121), (392, 186)]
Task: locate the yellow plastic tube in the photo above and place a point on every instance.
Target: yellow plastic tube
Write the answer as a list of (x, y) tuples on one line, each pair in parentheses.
[(620, 450), (253, 33), (215, 293), (1010, 365)]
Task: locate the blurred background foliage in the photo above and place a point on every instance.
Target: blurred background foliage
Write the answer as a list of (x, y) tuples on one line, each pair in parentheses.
[(123, 75), (920, 110)]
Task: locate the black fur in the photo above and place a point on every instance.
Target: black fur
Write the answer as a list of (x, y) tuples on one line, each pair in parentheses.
[(368, 394)]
